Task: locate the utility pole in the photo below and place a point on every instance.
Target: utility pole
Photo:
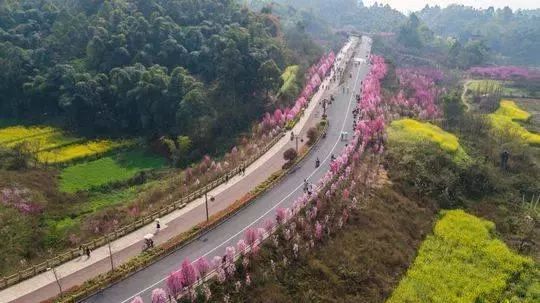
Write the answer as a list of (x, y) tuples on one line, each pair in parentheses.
[(206, 204), (110, 253), (57, 280)]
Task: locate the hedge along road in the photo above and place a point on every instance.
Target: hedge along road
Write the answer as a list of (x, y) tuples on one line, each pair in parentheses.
[(283, 194)]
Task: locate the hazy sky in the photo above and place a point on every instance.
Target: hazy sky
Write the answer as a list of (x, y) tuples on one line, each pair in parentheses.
[(414, 5)]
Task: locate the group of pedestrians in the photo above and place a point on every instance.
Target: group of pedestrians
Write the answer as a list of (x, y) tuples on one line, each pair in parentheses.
[(308, 187), (84, 251)]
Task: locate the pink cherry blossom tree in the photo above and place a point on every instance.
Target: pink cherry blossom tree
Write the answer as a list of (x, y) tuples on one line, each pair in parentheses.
[(159, 296)]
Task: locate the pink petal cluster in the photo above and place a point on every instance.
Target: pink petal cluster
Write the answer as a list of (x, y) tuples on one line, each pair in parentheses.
[(504, 73), (159, 296), (423, 95), (19, 199)]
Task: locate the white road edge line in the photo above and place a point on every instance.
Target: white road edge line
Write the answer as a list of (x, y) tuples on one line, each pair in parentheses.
[(277, 204)]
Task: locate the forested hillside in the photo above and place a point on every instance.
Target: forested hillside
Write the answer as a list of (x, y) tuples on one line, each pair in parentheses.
[(509, 36), (344, 14), (144, 67), (513, 35)]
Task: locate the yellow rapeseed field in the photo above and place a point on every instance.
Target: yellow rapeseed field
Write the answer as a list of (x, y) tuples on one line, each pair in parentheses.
[(409, 130), (46, 141), (463, 261), (511, 110), (18, 133), (79, 151), (504, 121)]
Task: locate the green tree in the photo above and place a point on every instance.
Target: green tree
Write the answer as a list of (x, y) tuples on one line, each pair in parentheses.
[(409, 33), (269, 75)]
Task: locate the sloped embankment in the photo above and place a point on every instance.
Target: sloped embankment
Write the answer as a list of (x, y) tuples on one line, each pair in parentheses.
[(362, 263)]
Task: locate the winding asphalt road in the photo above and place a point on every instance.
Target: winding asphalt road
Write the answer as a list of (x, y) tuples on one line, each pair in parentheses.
[(283, 194)]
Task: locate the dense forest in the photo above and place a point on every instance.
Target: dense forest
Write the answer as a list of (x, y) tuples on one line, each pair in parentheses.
[(512, 36), (144, 67)]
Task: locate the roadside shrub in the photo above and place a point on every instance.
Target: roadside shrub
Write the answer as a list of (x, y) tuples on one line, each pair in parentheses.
[(290, 154), (312, 134)]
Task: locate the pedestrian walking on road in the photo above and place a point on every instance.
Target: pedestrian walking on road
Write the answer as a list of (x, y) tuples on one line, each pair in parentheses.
[(227, 178), (87, 250), (158, 226)]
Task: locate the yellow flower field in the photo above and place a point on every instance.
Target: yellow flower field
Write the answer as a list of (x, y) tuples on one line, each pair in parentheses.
[(504, 121), (409, 130), (289, 78), (18, 133), (463, 261), (78, 151), (511, 110), (46, 141)]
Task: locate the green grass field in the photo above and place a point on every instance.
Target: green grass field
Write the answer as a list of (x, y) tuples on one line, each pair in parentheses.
[(119, 167), (463, 261)]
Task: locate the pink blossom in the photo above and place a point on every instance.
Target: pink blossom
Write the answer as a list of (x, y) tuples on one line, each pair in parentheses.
[(189, 273), (260, 234), (202, 266), (345, 194), (250, 236), (216, 261), (281, 215), (268, 225), (175, 283), (137, 299), (230, 253), (159, 296), (318, 231), (241, 246)]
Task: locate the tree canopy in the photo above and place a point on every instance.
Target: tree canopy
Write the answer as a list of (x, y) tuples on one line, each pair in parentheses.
[(150, 67)]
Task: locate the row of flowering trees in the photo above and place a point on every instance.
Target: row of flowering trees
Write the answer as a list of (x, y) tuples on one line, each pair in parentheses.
[(272, 123), (504, 73), (311, 218)]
